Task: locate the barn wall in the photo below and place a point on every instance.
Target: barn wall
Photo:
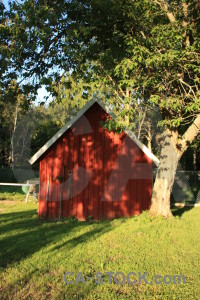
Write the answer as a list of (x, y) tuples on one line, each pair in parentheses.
[(106, 175)]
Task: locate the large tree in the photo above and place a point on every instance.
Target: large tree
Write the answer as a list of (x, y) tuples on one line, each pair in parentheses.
[(13, 107), (145, 50)]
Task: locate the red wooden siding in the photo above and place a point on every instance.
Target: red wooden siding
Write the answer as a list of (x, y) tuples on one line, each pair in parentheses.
[(111, 176)]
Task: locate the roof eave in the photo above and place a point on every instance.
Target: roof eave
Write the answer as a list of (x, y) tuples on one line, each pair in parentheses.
[(42, 150)]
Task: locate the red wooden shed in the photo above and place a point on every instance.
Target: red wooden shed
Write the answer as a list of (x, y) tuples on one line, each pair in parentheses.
[(88, 171)]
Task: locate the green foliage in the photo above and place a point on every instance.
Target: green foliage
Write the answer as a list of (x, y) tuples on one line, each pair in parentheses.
[(59, 178), (12, 193), (131, 54), (5, 48), (6, 175), (13, 105), (44, 125), (112, 125), (149, 47)]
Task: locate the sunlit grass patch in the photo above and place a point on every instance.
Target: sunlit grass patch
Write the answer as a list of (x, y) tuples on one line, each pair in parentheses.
[(35, 254)]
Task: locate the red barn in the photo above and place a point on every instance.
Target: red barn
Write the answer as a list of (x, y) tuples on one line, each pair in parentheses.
[(89, 172)]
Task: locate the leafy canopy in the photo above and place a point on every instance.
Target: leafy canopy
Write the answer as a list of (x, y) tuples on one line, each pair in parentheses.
[(145, 50)]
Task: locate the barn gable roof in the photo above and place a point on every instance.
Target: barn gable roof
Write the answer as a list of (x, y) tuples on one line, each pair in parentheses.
[(42, 150)]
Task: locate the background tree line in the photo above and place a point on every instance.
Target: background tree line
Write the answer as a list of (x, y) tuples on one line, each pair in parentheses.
[(142, 57), (31, 126)]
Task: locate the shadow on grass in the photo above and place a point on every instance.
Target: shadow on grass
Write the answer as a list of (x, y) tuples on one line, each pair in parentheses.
[(179, 211), (11, 189), (22, 234)]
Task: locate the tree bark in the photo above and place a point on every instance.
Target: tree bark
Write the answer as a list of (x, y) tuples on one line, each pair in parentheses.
[(189, 135), (165, 7), (127, 117), (195, 159), (12, 138), (171, 152), (149, 136), (165, 176), (141, 121)]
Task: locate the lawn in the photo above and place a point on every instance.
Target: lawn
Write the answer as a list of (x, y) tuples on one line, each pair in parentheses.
[(35, 254)]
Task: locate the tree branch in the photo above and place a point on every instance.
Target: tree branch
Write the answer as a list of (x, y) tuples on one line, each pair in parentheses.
[(164, 6), (189, 135)]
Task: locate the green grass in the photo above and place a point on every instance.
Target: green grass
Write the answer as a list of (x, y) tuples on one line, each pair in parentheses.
[(34, 255), (15, 193), (12, 193)]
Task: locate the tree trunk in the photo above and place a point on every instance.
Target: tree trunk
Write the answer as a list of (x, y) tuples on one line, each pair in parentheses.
[(127, 117), (172, 150), (12, 138), (149, 136), (142, 117), (165, 176), (195, 159)]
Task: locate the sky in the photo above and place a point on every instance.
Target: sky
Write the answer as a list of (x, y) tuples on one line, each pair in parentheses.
[(41, 94), (5, 2)]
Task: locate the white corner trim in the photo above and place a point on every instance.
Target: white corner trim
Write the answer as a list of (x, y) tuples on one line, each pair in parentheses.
[(132, 135), (142, 147), (42, 150)]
